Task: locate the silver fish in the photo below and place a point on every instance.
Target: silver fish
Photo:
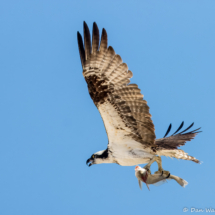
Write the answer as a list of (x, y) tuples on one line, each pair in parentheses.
[(158, 178)]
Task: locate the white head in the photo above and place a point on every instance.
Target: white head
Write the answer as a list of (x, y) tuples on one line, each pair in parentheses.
[(98, 157)]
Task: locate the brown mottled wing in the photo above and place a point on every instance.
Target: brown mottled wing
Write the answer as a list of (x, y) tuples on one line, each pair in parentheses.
[(120, 104), (177, 139)]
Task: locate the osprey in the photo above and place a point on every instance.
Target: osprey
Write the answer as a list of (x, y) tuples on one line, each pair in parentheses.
[(126, 117)]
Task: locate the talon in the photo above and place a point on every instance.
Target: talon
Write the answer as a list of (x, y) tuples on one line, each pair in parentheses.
[(161, 172), (168, 176)]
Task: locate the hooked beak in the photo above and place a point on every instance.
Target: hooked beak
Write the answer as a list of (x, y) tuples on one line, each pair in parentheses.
[(89, 162)]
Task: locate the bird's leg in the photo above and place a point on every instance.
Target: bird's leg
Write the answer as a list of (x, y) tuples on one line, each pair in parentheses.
[(160, 168), (156, 159), (149, 171), (148, 165), (159, 162)]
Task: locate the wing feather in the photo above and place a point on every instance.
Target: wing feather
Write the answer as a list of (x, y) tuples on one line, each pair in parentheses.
[(187, 128), (87, 41), (81, 48), (168, 130), (95, 40), (113, 64), (104, 42), (179, 128)]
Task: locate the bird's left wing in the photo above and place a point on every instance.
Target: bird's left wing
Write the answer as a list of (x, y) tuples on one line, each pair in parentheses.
[(177, 139), (168, 146), (124, 112)]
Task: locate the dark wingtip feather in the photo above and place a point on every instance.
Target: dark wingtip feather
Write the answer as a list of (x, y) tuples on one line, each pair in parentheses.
[(81, 48), (104, 41), (168, 130), (187, 128), (95, 40), (104, 32), (95, 25), (196, 130), (178, 128), (87, 41), (85, 25)]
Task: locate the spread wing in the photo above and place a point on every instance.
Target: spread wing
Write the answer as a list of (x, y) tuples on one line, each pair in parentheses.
[(176, 139), (124, 112)]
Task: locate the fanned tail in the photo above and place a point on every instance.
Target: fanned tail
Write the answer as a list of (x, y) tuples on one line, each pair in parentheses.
[(177, 153)]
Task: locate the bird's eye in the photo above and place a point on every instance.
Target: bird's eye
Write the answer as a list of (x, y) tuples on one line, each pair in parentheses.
[(93, 156)]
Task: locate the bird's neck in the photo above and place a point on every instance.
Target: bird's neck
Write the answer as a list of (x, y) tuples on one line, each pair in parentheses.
[(108, 159)]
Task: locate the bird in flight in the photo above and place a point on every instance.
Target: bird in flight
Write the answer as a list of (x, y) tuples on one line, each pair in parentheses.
[(126, 117)]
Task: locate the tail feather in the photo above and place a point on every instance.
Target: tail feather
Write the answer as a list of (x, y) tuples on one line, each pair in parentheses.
[(177, 153)]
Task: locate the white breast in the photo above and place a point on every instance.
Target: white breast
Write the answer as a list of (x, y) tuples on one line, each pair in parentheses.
[(125, 150)]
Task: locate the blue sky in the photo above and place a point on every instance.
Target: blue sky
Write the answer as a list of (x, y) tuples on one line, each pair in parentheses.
[(50, 127)]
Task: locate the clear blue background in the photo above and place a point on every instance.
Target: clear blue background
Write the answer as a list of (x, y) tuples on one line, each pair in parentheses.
[(49, 126)]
